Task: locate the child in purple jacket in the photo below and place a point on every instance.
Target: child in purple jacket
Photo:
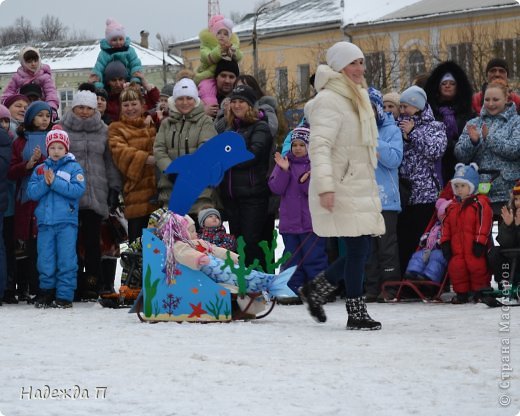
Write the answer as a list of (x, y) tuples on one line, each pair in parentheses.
[(290, 180)]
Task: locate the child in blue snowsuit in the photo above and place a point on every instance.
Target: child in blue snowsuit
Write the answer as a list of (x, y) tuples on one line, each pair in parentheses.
[(290, 179), (57, 185)]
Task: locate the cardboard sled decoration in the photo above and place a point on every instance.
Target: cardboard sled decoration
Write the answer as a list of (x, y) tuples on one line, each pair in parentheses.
[(191, 296)]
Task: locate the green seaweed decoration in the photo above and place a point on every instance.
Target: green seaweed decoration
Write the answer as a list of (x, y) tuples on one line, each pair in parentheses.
[(269, 253), (215, 307), (150, 290), (240, 271)]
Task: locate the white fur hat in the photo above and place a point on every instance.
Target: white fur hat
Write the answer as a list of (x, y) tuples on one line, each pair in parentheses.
[(185, 88), (341, 54), (86, 98)]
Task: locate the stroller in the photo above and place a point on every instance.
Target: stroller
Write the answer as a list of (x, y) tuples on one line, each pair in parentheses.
[(425, 281)]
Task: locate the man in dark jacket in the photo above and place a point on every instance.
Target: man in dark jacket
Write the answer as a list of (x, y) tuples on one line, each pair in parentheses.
[(5, 158)]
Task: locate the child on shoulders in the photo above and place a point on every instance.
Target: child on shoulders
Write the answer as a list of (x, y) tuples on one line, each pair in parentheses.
[(466, 232), (57, 185), (116, 47), (33, 71), (217, 42)]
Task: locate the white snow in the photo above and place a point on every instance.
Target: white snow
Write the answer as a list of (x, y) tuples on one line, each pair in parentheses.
[(429, 359)]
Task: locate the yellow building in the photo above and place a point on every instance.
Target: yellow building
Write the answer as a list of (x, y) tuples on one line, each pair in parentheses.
[(290, 41), (410, 41), (400, 38)]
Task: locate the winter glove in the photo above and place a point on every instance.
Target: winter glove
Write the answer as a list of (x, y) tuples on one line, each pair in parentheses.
[(446, 250), (479, 249), (113, 199)]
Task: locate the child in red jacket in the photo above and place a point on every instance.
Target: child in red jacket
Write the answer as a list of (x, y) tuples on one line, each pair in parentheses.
[(466, 232)]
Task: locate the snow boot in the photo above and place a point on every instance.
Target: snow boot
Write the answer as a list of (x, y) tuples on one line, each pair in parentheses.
[(62, 304), (45, 298), (314, 294), (358, 317)]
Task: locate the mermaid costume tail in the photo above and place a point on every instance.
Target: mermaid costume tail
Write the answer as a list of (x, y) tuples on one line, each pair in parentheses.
[(256, 281)]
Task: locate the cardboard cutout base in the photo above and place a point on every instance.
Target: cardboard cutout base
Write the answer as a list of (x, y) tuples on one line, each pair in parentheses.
[(191, 296)]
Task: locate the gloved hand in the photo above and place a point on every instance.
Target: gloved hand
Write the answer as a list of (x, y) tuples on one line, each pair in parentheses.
[(446, 250), (479, 249), (113, 199)]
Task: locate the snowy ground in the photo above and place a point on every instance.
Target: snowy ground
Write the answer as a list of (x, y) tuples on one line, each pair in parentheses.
[(429, 359)]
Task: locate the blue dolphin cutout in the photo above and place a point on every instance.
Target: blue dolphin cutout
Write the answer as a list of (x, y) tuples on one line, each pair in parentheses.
[(204, 168)]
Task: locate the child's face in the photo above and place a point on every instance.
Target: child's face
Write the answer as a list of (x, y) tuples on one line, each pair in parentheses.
[(163, 103), (494, 101), (32, 64), (298, 148), (223, 36), (4, 123), (117, 42), (211, 221), (516, 201), (101, 104), (56, 151), (42, 120), (390, 107), (461, 190), (192, 231), (408, 110)]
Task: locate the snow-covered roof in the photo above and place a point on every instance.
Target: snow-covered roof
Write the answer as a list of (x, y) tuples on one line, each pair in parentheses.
[(300, 14), (74, 55), (356, 11), (425, 8)]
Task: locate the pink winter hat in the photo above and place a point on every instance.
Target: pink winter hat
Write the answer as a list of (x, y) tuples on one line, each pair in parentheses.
[(114, 29), (4, 112), (220, 22)]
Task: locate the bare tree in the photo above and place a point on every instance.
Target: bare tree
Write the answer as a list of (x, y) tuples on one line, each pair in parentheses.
[(25, 29), (51, 28), (9, 35)]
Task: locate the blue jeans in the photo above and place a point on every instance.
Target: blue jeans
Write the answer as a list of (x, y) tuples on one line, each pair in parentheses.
[(3, 264), (350, 269)]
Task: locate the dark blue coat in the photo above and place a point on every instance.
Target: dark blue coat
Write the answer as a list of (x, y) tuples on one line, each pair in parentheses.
[(5, 158)]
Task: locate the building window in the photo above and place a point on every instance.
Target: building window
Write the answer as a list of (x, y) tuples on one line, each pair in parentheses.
[(65, 101), (416, 64), (304, 73), (375, 73), (509, 49), (282, 81), (462, 54)]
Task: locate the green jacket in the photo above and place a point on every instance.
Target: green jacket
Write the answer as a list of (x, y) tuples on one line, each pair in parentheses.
[(177, 136)]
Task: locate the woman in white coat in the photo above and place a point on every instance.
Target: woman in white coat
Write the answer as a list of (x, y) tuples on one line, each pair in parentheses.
[(343, 194)]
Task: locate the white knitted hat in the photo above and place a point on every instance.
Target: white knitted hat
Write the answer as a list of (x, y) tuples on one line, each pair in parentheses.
[(186, 88), (86, 98), (341, 54)]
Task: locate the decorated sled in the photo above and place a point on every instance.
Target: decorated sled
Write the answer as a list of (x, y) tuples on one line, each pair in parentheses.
[(191, 296)]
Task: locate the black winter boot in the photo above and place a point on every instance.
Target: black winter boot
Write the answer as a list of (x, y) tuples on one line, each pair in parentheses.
[(315, 293), (44, 298), (358, 317)]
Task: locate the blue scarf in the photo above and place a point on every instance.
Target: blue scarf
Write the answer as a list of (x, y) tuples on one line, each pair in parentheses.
[(34, 138)]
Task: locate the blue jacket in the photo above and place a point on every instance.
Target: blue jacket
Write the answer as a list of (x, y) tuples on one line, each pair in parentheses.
[(58, 203), (5, 159), (390, 150), (500, 150)]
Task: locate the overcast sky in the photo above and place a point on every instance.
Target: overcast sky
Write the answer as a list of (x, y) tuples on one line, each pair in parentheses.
[(182, 19)]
